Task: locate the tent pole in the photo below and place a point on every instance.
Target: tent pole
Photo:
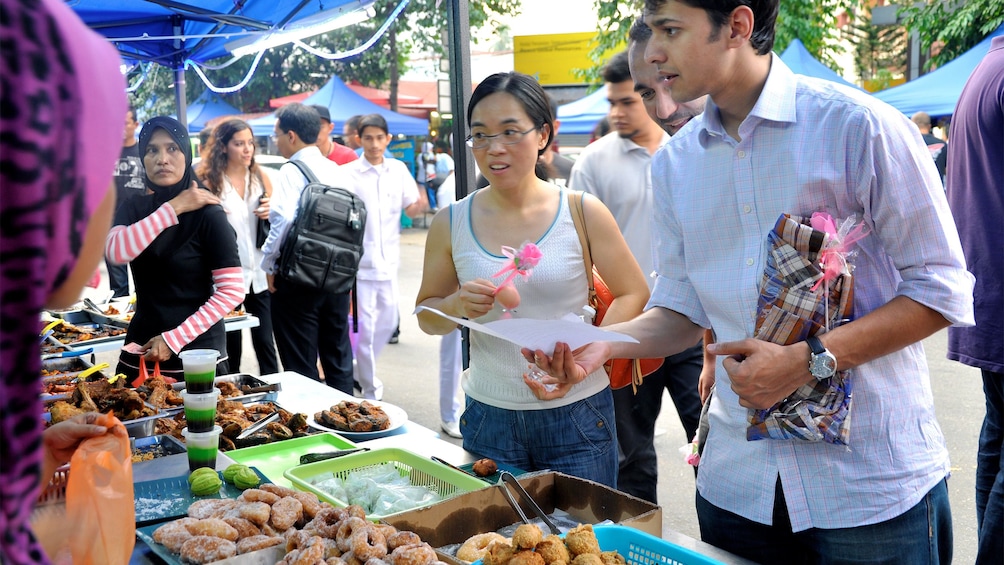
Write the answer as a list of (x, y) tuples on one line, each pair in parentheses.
[(459, 31), (180, 102)]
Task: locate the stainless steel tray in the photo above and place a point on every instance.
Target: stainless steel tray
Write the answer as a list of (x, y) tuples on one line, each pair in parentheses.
[(139, 427), (242, 380)]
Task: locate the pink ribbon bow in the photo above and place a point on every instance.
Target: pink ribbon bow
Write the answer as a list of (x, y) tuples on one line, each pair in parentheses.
[(833, 258), (521, 262)]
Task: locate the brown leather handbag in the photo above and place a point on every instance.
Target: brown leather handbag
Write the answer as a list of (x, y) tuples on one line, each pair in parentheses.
[(622, 372)]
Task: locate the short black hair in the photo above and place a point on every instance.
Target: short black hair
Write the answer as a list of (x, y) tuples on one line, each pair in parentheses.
[(205, 135), (617, 70), (527, 91), (130, 109), (764, 17), (372, 121), (302, 120), (639, 32), (353, 123)]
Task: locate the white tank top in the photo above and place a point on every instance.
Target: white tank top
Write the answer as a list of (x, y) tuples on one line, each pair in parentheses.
[(556, 287)]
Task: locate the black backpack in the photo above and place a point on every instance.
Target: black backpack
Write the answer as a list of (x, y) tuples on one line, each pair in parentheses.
[(325, 244)]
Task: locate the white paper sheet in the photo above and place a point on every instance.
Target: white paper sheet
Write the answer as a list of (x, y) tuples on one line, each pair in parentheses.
[(540, 334)]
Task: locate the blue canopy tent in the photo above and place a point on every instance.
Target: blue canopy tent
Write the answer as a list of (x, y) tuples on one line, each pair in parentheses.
[(343, 103), (171, 32), (800, 61), (582, 115), (206, 107), (938, 91)]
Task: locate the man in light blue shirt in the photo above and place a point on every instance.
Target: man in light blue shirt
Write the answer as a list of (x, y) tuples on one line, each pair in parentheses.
[(761, 150), (307, 321)]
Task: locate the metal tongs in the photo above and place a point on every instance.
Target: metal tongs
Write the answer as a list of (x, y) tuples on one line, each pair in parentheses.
[(506, 479)]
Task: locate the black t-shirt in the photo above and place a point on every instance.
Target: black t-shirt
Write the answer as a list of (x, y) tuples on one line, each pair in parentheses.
[(173, 276), (939, 152), (129, 175)]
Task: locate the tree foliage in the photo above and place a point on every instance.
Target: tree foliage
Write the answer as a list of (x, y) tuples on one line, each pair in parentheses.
[(284, 70), (812, 21), (957, 25), (880, 52)]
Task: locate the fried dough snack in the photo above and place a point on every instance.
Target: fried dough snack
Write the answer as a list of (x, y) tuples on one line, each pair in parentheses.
[(552, 549), (581, 539), (206, 549)]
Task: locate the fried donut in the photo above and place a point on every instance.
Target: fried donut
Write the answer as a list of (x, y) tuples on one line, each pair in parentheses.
[(275, 489), (415, 554), (210, 508), (552, 549), (311, 504), (326, 522), (206, 549), (587, 559), (527, 536), (499, 553), (259, 495), (484, 467), (334, 561), (312, 553), (172, 535), (257, 513), (375, 561), (399, 538), (476, 546), (213, 527), (286, 512), (612, 558), (350, 559), (368, 543), (526, 557), (254, 543), (581, 539), (245, 529), (348, 527), (355, 510)]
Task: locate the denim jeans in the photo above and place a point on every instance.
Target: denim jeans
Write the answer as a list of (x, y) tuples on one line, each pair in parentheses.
[(921, 535), (989, 473), (579, 439)]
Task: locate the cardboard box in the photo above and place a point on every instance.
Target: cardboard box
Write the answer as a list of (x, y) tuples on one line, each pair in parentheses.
[(453, 521)]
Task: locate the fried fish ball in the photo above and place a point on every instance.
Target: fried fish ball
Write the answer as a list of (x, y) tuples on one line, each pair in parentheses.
[(286, 512), (476, 546), (259, 495), (257, 513), (526, 557), (245, 529), (173, 534), (612, 558), (213, 527), (254, 543), (581, 539), (206, 549), (499, 553), (527, 536), (210, 508), (587, 559), (552, 549)]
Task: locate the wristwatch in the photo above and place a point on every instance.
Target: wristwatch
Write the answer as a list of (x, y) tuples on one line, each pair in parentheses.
[(822, 363)]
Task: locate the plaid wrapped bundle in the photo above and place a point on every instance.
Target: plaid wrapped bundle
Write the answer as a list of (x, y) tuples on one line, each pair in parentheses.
[(788, 311)]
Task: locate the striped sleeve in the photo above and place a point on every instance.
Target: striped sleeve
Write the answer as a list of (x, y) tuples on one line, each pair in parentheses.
[(125, 243), (229, 283)]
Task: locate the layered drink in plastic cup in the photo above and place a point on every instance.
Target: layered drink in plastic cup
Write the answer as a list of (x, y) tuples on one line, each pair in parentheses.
[(202, 447), (200, 369), (200, 410)]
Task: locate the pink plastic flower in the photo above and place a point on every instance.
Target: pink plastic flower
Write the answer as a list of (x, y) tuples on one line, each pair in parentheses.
[(521, 262)]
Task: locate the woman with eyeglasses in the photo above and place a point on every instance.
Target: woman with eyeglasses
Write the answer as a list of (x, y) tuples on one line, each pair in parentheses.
[(183, 255), (510, 417), (230, 172)]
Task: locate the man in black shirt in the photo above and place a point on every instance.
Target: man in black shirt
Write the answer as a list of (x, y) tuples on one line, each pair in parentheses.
[(129, 175), (938, 147)]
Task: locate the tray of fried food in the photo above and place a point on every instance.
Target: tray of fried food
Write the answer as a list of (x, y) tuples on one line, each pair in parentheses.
[(87, 333), (162, 394), (59, 376), (235, 417), (103, 396), (241, 387), (360, 420), (275, 524)]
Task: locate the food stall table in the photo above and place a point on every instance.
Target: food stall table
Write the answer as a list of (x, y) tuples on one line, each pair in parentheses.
[(103, 344)]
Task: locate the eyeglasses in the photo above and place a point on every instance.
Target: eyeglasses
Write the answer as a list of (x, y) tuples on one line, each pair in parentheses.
[(508, 137)]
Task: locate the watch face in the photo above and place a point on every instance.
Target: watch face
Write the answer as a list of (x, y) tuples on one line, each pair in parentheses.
[(824, 365)]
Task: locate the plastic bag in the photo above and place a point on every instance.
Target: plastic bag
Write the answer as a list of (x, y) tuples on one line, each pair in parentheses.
[(100, 507)]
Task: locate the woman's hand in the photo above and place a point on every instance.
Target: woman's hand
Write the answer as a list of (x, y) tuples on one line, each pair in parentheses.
[(59, 441), (476, 298), (192, 199), (157, 350), (566, 367), (263, 209)]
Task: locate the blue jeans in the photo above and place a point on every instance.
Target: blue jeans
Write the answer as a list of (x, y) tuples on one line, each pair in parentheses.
[(921, 535), (579, 439), (990, 473)]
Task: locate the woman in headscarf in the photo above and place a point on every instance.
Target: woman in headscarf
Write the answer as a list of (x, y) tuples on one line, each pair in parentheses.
[(230, 172), (183, 254)]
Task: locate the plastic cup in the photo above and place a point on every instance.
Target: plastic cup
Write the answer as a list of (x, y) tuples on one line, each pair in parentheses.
[(202, 447), (200, 410), (200, 369)]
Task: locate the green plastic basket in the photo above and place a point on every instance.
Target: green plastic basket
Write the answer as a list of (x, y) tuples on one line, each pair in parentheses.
[(640, 548), (273, 459), (444, 481)]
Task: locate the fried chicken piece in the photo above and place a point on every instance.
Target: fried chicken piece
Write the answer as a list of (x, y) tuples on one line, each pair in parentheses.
[(63, 410)]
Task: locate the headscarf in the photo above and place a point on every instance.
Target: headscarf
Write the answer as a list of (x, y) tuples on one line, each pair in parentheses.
[(179, 134)]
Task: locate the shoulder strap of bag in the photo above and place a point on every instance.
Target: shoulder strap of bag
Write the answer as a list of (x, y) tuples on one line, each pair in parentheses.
[(579, 219), (305, 170)]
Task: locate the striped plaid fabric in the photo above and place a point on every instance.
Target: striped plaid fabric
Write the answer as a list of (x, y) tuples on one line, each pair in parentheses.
[(788, 311)]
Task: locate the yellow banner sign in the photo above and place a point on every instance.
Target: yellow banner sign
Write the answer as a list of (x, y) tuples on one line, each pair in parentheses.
[(553, 58)]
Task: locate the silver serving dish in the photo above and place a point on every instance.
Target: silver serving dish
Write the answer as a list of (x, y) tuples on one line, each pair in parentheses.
[(258, 390)]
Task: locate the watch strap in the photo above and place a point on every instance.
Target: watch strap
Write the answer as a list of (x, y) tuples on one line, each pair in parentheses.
[(815, 345)]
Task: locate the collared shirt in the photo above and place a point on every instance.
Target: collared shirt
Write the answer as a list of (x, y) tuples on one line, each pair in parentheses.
[(386, 189), (810, 145), (618, 172), (240, 215), (287, 185)]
